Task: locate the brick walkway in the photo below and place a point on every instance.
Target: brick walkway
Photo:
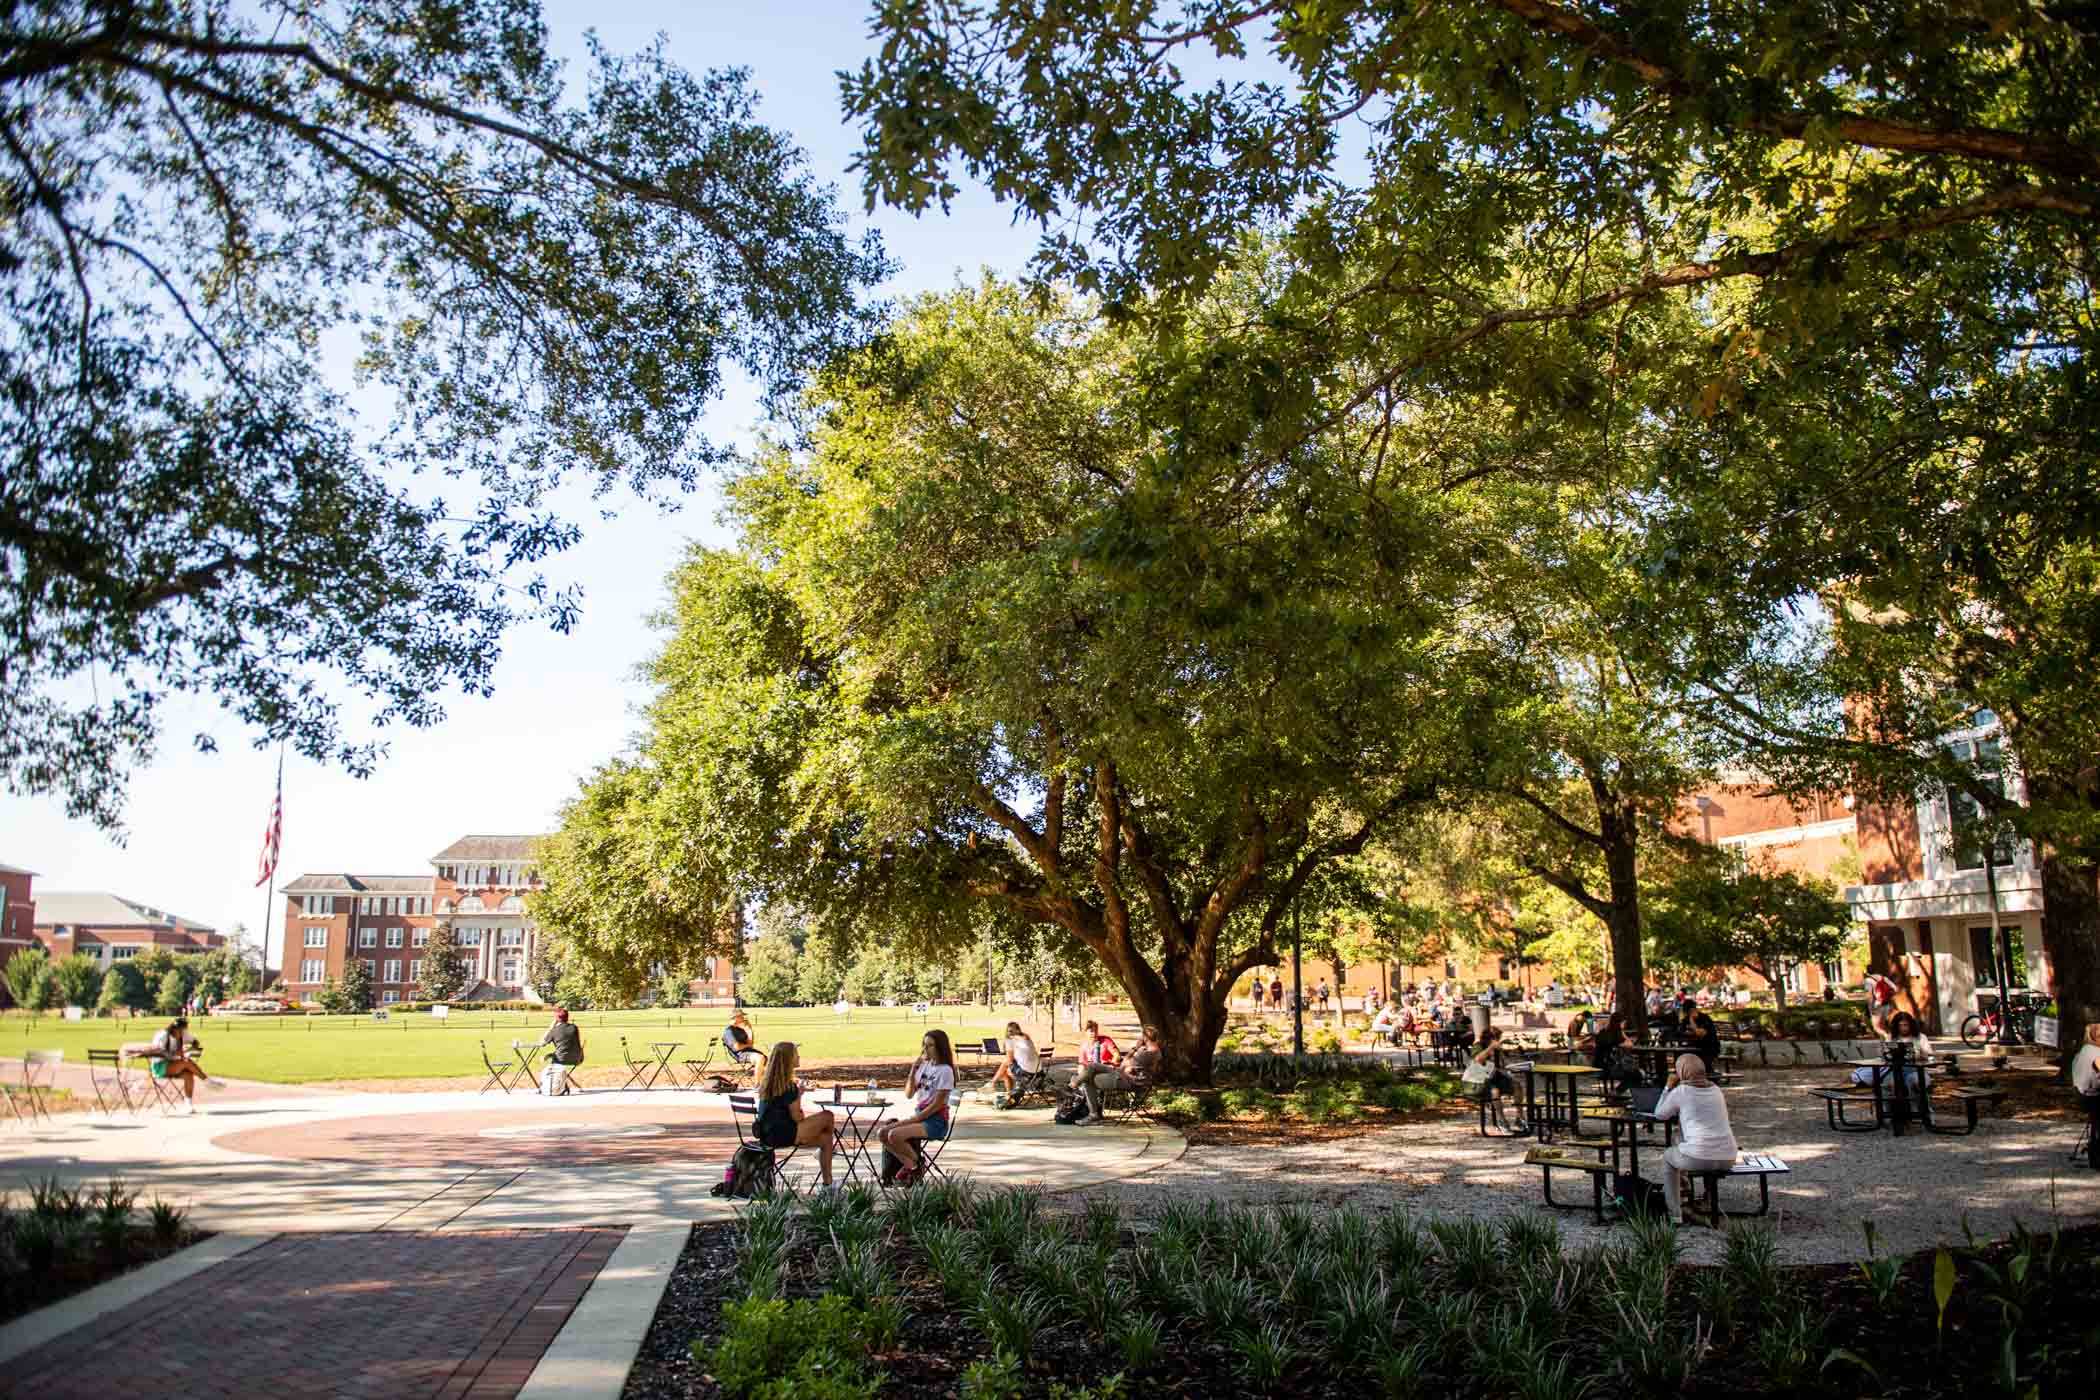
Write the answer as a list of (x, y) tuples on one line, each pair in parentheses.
[(461, 1315)]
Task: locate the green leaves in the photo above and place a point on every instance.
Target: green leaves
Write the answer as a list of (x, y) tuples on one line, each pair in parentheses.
[(534, 286)]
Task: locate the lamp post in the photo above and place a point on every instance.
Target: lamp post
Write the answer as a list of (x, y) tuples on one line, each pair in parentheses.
[(1297, 986), (2001, 945)]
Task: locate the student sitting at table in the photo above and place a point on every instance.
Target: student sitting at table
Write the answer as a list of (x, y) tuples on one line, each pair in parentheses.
[(1484, 1079), (741, 1044), (568, 1053), (1705, 1141), (1388, 1022), (781, 1121), (168, 1056), (1903, 1031), (1021, 1058), (1608, 1052), (932, 1085), (2085, 1082), (1704, 1040)]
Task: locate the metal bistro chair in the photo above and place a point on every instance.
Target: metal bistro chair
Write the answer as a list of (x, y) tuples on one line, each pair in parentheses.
[(636, 1069), (696, 1069), (743, 1109), (106, 1076), (930, 1149), (499, 1075), (39, 1078)]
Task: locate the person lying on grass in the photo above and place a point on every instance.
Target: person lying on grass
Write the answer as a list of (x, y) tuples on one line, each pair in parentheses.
[(931, 1085), (781, 1121)]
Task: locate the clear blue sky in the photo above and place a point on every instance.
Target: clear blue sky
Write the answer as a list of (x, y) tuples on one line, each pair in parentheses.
[(562, 704)]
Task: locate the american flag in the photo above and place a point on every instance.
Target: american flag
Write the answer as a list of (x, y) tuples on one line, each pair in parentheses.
[(273, 835)]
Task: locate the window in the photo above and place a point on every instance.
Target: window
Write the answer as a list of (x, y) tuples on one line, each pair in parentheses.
[(121, 951), (1983, 957), (470, 938), (509, 974), (423, 904), (368, 938), (1966, 818), (415, 969), (390, 996), (317, 935), (371, 969), (320, 904), (311, 969), (422, 937), (393, 970), (393, 938), (511, 938)]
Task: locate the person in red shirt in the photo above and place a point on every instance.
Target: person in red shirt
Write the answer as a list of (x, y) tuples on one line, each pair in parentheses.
[(1098, 1052), (1881, 1001)]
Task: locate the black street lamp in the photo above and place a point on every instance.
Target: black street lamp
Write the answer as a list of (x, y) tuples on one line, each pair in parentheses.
[(1297, 986)]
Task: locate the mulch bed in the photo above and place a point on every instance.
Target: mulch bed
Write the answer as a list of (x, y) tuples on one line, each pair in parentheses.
[(1900, 1346), (84, 1269)]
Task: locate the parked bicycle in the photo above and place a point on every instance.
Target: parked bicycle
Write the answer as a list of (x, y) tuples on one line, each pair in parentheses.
[(1989, 1027)]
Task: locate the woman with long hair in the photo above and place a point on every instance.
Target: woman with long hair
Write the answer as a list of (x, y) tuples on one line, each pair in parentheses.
[(932, 1085), (781, 1121)]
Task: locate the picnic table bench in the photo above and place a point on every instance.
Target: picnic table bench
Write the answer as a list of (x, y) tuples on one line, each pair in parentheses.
[(1835, 1101), (1759, 1165), (1970, 1099), (1552, 1159)]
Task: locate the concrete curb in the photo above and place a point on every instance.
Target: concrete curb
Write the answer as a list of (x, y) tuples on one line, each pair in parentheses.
[(27, 1333), (590, 1357)]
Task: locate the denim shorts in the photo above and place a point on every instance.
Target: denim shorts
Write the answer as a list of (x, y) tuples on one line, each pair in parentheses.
[(936, 1127)]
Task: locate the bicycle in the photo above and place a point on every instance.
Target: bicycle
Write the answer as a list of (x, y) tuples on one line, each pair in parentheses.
[(1989, 1027)]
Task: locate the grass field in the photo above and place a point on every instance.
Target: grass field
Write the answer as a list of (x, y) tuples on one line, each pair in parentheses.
[(415, 1045)]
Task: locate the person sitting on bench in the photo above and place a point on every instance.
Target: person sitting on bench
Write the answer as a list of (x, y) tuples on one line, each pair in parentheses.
[(1098, 1052), (741, 1044), (1705, 1141), (781, 1121), (2085, 1079), (1484, 1079), (169, 1058), (1386, 1025), (1136, 1072), (1021, 1058), (1903, 1031)]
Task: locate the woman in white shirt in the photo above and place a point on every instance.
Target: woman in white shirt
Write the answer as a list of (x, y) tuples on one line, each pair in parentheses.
[(1021, 1057), (1903, 1030), (1705, 1142), (2085, 1079), (932, 1084)]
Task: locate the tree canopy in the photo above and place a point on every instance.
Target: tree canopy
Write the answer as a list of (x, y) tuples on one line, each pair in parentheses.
[(1028, 628), (206, 203)]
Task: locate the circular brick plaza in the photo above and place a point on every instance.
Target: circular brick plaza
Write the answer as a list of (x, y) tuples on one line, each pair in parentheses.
[(544, 1135)]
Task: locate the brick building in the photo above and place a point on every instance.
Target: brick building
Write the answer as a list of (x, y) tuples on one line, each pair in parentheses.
[(1811, 836), (17, 913), (111, 928), (1912, 877), (477, 886)]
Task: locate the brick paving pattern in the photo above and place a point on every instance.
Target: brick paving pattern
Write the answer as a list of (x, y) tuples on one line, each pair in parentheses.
[(462, 1315), (687, 1132)]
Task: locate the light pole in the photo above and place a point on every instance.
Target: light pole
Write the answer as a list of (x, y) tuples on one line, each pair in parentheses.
[(2001, 945), (1297, 986)]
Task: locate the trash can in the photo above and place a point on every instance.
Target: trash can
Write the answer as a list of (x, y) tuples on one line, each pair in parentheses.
[(1479, 1014)]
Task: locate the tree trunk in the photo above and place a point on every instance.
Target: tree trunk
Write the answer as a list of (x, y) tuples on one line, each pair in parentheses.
[(1778, 986), (2071, 937), (1624, 917), (1188, 1035)]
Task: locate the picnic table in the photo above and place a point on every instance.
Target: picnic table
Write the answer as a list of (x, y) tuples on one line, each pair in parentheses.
[(1560, 1081), (1896, 1110)]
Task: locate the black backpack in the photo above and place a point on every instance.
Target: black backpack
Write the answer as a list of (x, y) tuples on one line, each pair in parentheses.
[(1073, 1111), (746, 1174), (1637, 1195)]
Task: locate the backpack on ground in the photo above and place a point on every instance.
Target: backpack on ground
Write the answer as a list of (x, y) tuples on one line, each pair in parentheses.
[(1072, 1112), (746, 1175), (1637, 1195)]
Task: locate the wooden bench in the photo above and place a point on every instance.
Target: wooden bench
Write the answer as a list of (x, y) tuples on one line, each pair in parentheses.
[(1971, 1100), (1762, 1167), (1834, 1101), (1551, 1159)]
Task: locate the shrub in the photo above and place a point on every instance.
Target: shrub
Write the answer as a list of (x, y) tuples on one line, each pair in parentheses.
[(804, 1349), (1251, 1102), (1177, 1106)]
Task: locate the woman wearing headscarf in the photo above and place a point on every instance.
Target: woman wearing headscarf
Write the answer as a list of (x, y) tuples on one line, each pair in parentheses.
[(1705, 1141)]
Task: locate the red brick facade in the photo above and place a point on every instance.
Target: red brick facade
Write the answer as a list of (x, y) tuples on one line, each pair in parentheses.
[(17, 915)]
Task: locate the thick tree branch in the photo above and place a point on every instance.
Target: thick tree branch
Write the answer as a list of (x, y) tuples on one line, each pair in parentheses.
[(1569, 885), (1876, 133), (1573, 828)]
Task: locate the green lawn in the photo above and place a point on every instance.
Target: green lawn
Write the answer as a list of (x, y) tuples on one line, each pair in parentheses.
[(414, 1045)]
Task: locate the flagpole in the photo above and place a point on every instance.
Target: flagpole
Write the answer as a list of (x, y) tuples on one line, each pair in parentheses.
[(262, 974)]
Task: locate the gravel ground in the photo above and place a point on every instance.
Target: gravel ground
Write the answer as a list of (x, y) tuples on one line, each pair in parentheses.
[(1917, 1188)]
